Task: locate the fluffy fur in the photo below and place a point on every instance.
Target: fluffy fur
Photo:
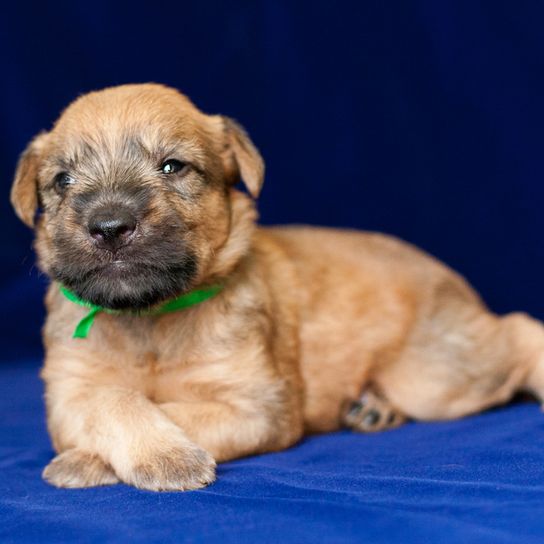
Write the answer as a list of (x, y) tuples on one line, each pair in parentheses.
[(314, 329)]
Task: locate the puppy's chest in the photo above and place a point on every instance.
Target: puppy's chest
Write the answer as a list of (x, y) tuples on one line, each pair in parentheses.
[(159, 357)]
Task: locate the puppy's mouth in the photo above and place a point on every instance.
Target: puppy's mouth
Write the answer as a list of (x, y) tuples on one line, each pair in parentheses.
[(125, 285)]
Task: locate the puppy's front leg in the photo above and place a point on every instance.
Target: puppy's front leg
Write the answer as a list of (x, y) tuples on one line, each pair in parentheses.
[(228, 431), (119, 428)]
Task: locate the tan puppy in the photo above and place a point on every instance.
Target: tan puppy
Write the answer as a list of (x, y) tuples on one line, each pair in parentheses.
[(137, 207)]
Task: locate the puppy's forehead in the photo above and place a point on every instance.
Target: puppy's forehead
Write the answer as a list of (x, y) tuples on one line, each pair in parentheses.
[(153, 114)]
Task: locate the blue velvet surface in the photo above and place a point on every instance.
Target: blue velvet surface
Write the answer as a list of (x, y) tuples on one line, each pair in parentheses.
[(478, 480)]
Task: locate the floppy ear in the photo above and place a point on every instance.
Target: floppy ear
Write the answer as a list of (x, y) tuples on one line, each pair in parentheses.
[(24, 192), (243, 160)]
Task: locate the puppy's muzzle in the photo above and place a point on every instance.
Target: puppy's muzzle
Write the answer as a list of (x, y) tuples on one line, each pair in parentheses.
[(112, 228)]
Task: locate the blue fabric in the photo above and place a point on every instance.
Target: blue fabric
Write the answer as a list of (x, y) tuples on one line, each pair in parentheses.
[(478, 480)]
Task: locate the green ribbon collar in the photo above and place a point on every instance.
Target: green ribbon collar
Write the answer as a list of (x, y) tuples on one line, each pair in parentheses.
[(180, 303)]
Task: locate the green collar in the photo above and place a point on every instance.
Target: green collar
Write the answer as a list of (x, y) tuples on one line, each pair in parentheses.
[(184, 301)]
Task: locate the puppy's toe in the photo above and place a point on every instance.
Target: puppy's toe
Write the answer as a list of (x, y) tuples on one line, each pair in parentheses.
[(76, 468), (176, 470), (370, 413)]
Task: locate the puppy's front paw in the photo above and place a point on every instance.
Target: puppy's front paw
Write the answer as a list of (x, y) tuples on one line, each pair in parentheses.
[(179, 469), (77, 468)]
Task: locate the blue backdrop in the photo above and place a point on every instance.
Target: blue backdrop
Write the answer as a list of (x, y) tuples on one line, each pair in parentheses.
[(422, 118), (419, 118)]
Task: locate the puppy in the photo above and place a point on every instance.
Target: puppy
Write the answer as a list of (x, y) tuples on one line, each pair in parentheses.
[(201, 338)]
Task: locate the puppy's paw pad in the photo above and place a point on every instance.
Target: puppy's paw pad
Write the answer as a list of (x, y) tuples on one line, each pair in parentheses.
[(177, 470), (370, 413), (75, 468)]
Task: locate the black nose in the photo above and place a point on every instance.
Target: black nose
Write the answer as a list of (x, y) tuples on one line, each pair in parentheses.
[(112, 229)]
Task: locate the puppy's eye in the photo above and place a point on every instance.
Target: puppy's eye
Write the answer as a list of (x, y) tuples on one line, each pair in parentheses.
[(171, 166), (63, 180)]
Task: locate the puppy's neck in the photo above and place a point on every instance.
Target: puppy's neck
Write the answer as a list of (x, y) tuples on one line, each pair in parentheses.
[(238, 243)]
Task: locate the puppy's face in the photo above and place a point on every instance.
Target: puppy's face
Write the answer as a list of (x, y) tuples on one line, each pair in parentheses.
[(133, 185)]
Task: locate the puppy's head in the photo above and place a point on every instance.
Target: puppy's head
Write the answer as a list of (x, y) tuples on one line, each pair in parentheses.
[(133, 186)]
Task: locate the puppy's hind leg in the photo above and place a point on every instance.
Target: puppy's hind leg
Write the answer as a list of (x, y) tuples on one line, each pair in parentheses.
[(371, 412), (528, 340), (464, 361)]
